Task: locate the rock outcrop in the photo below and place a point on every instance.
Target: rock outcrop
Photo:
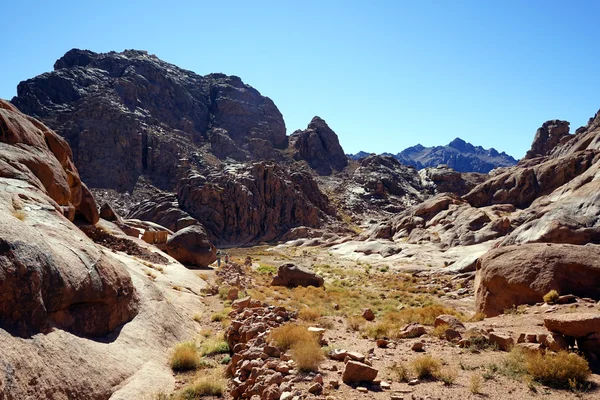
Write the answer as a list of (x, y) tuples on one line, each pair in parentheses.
[(547, 137), (245, 204), (51, 274), (319, 146), (130, 114), (515, 275)]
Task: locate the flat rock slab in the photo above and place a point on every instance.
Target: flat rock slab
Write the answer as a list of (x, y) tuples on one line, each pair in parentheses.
[(575, 325)]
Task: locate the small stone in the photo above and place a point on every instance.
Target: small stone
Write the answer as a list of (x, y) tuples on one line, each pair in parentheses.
[(382, 343), (362, 389), (286, 396), (368, 314), (318, 378), (385, 385), (334, 384), (336, 306), (317, 388), (418, 346), (413, 382)]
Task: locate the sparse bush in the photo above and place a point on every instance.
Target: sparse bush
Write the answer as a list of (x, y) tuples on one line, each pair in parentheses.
[(447, 375), (475, 384), (355, 322), (426, 367), (286, 336), (400, 371), (266, 268), (226, 359), (558, 370), (215, 345), (197, 317), (440, 331), (551, 297), (307, 355), (209, 385), (478, 316), (185, 357), (309, 314)]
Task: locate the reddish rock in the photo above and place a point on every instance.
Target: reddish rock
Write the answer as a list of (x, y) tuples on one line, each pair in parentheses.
[(555, 342), (412, 330), (368, 314), (575, 325), (515, 275), (355, 372), (449, 320), (504, 342)]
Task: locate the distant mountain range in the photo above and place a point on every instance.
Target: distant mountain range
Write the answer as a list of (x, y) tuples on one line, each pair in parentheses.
[(458, 154)]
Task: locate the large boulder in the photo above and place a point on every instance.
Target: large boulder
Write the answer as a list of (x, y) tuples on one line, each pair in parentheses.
[(356, 372), (573, 325), (191, 246), (547, 137), (291, 275), (319, 146), (51, 274), (513, 275)]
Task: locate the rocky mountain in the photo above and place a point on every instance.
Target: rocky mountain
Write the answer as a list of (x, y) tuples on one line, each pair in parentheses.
[(130, 114), (458, 155)]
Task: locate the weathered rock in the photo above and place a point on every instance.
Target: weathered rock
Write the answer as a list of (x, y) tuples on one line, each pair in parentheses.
[(268, 202), (575, 325), (291, 275), (418, 347), (515, 275), (51, 274), (191, 246), (504, 342), (449, 320), (548, 137), (108, 213), (411, 330), (356, 372), (164, 210), (319, 146), (555, 342), (118, 112)]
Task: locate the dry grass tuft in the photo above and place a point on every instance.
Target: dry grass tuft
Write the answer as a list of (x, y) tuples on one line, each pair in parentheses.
[(309, 314), (185, 357), (400, 371), (426, 367), (19, 214), (287, 336), (551, 297), (475, 384), (213, 384), (447, 375), (308, 355), (478, 316), (214, 345), (355, 322)]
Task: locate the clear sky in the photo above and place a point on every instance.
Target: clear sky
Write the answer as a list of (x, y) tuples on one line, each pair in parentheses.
[(385, 75)]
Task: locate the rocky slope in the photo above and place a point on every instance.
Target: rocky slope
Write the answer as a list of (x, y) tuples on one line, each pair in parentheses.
[(458, 155), (130, 114)]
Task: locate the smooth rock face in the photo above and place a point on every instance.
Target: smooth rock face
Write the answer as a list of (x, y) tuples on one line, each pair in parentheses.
[(574, 325), (130, 113), (51, 274), (514, 275), (191, 246), (291, 275), (319, 146), (164, 210)]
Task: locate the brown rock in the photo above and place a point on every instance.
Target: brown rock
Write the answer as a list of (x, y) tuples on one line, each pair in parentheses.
[(382, 343), (291, 275), (575, 325), (191, 246), (515, 275), (449, 320), (412, 330), (355, 372), (87, 208), (232, 294), (316, 388), (418, 347), (555, 342), (504, 342), (368, 314)]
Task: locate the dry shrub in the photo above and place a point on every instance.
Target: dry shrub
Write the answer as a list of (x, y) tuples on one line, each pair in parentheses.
[(424, 315), (551, 297), (213, 384), (355, 322), (307, 355), (558, 370), (400, 371), (475, 384), (478, 316), (185, 357), (426, 367), (440, 331), (447, 375), (288, 335), (309, 314)]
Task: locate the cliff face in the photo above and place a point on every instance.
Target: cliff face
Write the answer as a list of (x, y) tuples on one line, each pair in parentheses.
[(130, 114)]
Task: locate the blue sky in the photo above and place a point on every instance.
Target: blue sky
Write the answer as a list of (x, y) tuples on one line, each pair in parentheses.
[(385, 75)]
